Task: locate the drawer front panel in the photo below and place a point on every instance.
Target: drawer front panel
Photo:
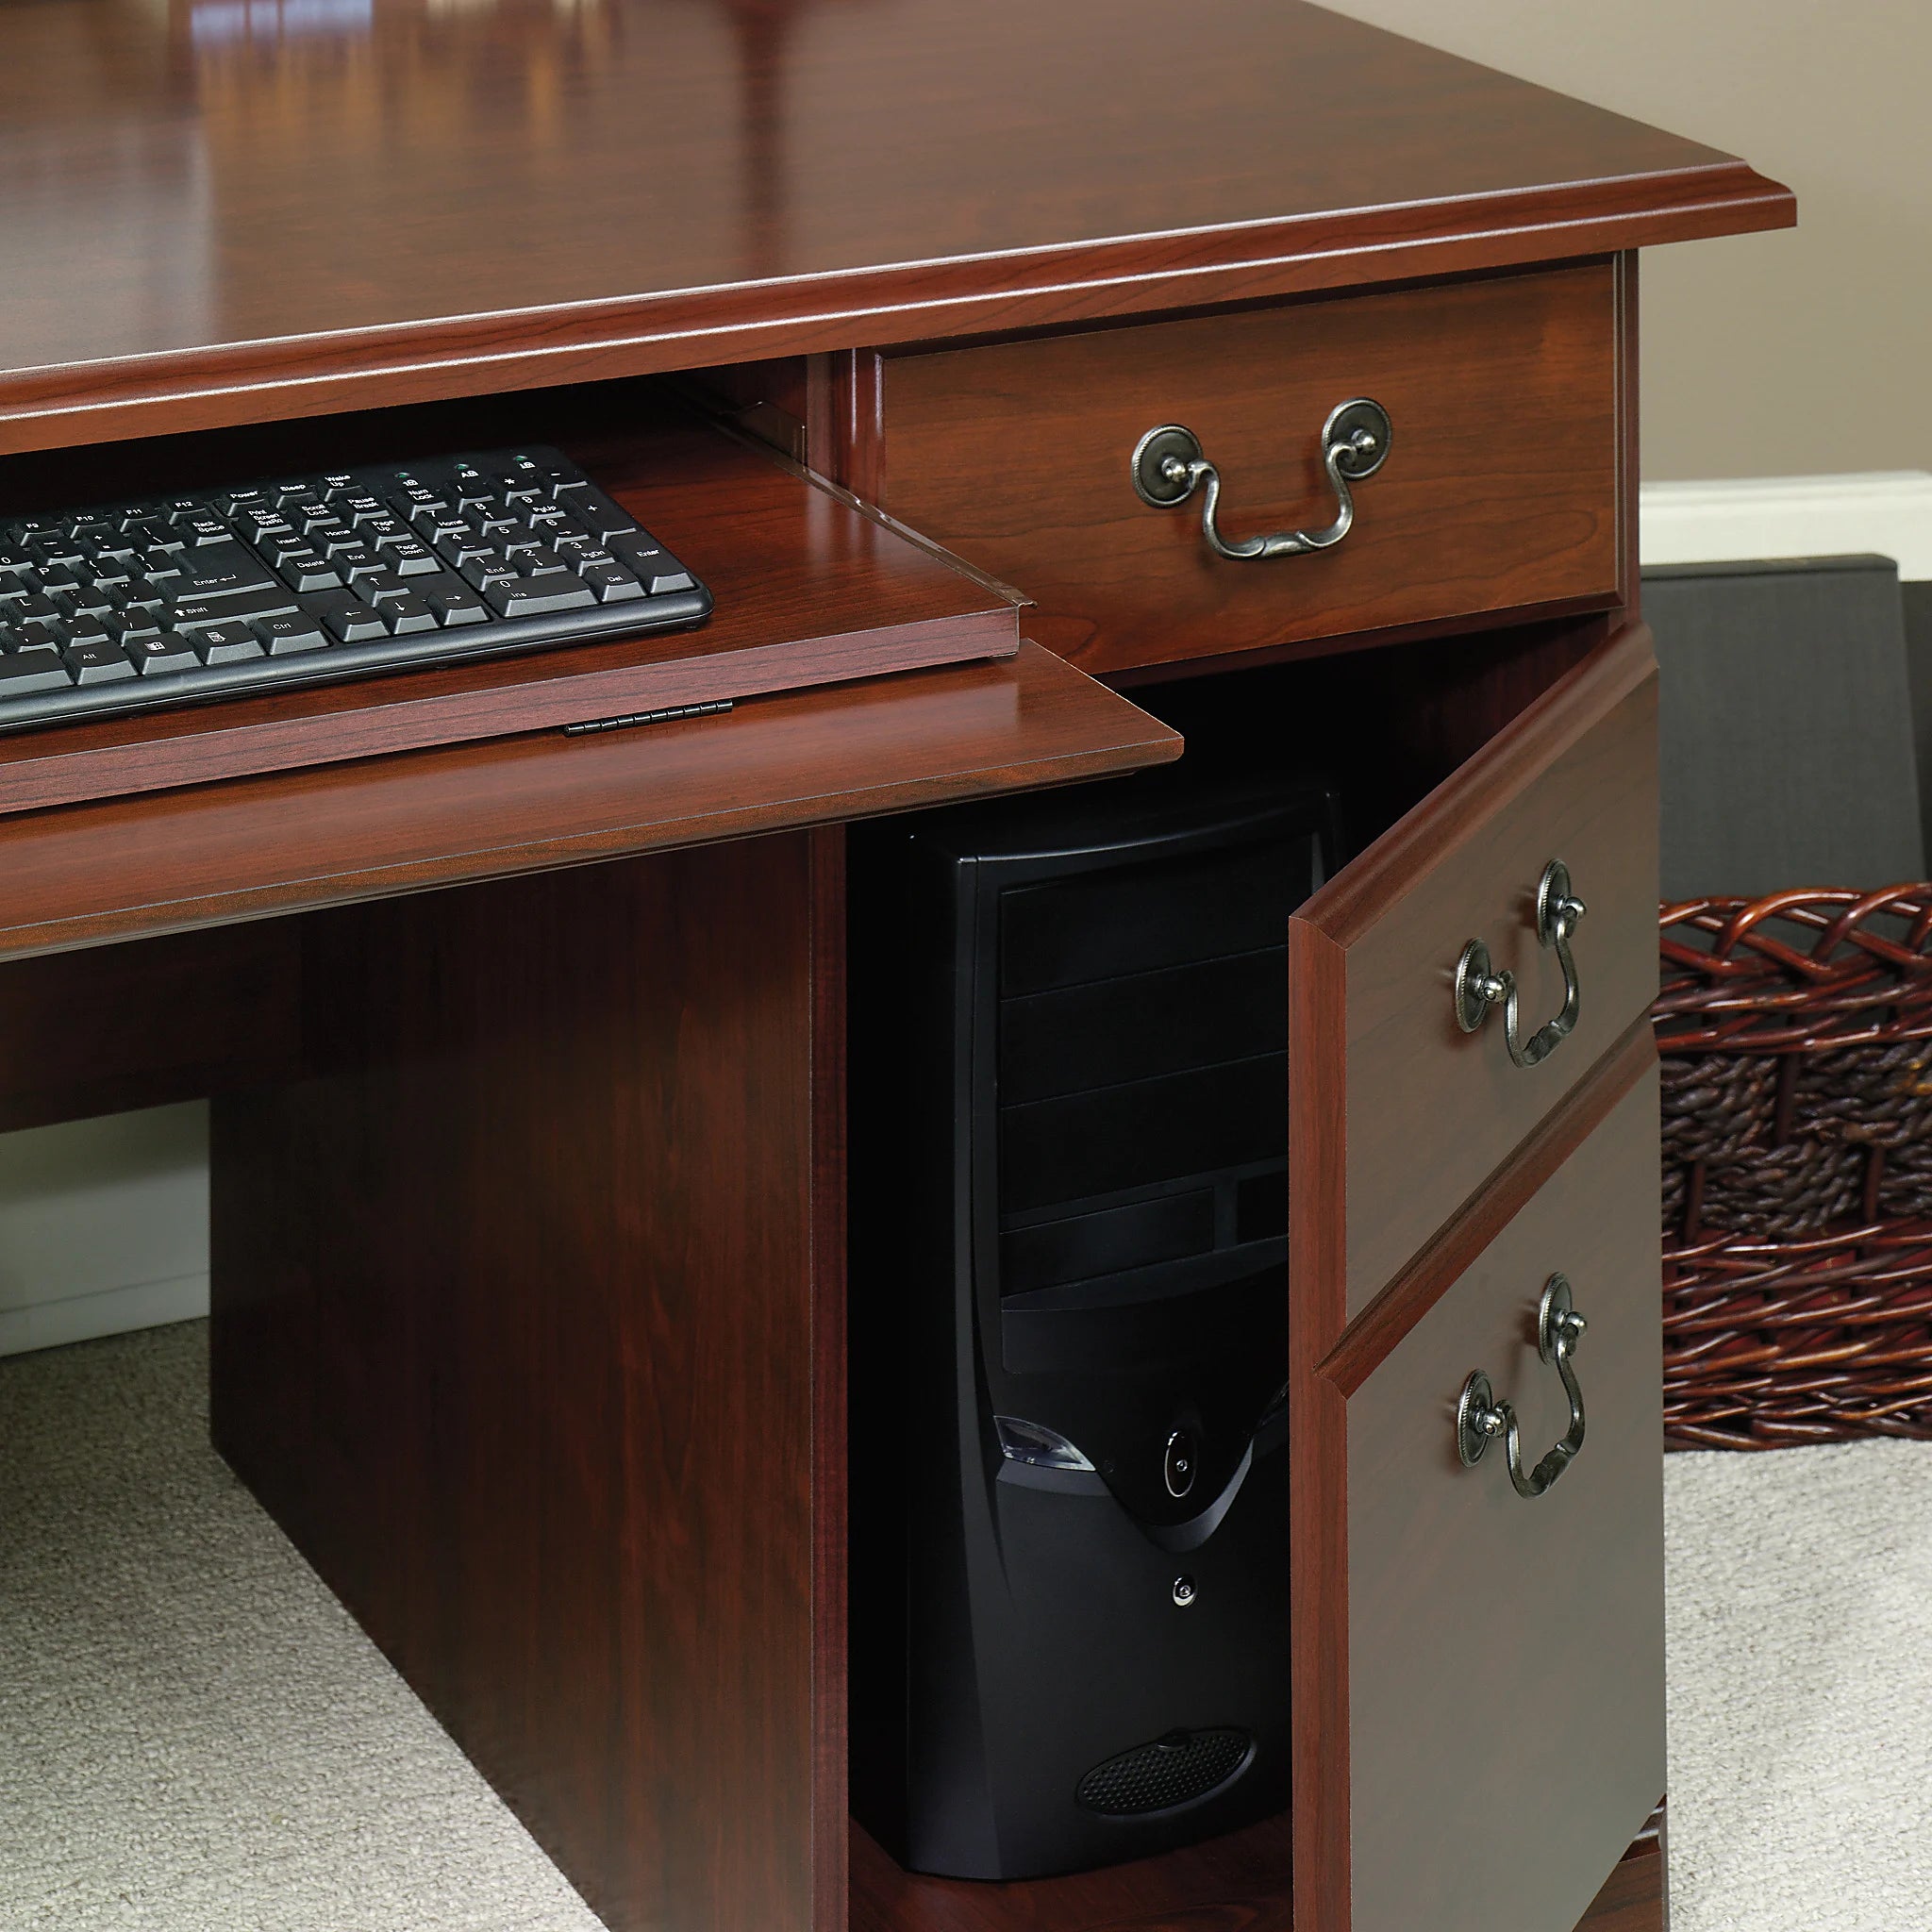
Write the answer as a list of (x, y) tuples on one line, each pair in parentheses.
[(1506, 1656), (1499, 489), (1430, 1111)]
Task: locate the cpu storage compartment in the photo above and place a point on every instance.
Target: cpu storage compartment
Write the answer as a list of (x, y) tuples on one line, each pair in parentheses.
[(1069, 1300)]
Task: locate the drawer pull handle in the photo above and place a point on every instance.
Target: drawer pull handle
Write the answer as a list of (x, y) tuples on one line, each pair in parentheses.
[(1168, 465), (1480, 1418), (1479, 987)]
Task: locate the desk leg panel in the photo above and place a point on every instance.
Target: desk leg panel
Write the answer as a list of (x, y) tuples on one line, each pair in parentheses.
[(526, 1311)]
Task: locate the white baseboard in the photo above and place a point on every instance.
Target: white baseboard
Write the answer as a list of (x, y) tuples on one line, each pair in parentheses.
[(1885, 514), (103, 1226), (104, 1311)]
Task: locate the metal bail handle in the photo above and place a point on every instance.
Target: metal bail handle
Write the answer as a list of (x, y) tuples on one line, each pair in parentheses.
[(1480, 1418), (1168, 465), (1479, 987)]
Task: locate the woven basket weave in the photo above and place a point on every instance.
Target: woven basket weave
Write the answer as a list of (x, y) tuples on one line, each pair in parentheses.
[(1796, 1034)]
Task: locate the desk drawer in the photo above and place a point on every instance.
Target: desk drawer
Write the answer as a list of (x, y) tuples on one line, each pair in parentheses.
[(1505, 1654), (1406, 1112), (1499, 488)]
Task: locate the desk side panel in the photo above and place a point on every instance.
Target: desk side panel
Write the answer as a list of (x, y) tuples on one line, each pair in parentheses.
[(525, 1331)]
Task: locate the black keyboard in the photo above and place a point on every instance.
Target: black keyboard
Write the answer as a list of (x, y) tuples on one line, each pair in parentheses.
[(132, 605)]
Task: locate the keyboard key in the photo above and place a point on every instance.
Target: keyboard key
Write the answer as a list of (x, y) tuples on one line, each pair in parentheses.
[(16, 564), (411, 560), (409, 613), (85, 602), (99, 662), (219, 570), (141, 594), (201, 528), (284, 637), (460, 548), (233, 642), (602, 517), (379, 587), (481, 572), (193, 614), (166, 651), (21, 671), (309, 572), (350, 621), (612, 583), (677, 580), (538, 596), (641, 552), (456, 603), (553, 589)]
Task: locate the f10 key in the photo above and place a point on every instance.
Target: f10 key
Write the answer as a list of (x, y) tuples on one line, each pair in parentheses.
[(310, 580)]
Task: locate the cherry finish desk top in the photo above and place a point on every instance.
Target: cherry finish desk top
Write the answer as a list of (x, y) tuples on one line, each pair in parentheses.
[(231, 211)]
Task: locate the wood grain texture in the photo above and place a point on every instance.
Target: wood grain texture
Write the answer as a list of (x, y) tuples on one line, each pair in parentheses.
[(1500, 490), (116, 1027), (521, 1331), (1572, 777), (810, 591), (1635, 1896), (1318, 1628), (496, 212), (1506, 1675), (1236, 1883), (831, 1513), (303, 840), (1381, 1328)]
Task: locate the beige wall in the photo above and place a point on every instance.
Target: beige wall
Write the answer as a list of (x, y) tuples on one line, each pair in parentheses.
[(1787, 353)]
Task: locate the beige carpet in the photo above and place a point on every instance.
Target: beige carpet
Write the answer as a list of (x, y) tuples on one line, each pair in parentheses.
[(195, 1737), (1800, 1606)]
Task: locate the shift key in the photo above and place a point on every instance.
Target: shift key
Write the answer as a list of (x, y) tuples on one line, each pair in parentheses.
[(186, 613), (539, 595)]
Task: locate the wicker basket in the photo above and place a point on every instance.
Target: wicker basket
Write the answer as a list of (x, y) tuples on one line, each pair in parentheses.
[(1796, 1034)]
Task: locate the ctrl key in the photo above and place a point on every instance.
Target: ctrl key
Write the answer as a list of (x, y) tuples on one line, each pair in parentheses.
[(21, 671)]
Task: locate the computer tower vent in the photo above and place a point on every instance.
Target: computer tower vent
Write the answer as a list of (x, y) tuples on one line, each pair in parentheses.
[(1171, 1771)]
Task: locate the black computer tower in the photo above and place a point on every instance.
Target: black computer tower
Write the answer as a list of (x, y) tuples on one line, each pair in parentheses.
[(1068, 1339)]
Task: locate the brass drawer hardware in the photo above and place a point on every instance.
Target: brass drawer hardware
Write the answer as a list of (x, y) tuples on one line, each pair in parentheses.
[(1168, 464), (1480, 1418), (1479, 987)]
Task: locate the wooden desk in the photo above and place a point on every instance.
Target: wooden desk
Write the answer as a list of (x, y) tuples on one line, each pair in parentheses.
[(529, 1190)]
